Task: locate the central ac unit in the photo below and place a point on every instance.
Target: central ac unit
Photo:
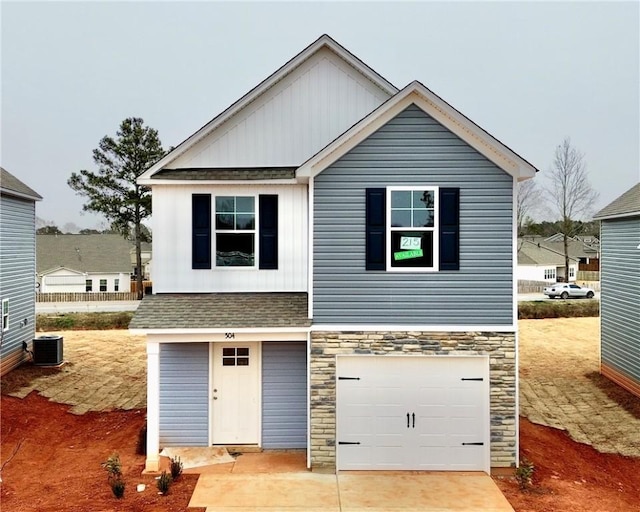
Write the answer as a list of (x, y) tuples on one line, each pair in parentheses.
[(47, 350)]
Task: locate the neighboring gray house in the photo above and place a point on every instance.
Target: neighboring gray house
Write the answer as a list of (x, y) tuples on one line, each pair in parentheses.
[(17, 269), (333, 270), (83, 263), (620, 290)]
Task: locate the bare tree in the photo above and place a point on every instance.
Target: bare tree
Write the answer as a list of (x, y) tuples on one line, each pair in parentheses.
[(529, 197), (569, 193)]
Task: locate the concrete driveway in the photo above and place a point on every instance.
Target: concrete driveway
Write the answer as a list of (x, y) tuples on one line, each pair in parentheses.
[(349, 492)]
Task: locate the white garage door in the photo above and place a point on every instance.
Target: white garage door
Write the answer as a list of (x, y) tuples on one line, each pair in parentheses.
[(412, 413)]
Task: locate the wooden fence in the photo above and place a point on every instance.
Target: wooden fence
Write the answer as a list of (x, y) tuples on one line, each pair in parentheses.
[(84, 297)]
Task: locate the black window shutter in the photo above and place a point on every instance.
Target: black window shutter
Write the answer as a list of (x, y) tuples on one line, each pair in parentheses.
[(201, 231), (449, 229), (268, 218), (376, 229)]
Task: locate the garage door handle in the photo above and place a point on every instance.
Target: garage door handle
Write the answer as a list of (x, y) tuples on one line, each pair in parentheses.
[(407, 420), (472, 378), (414, 419), (472, 444)]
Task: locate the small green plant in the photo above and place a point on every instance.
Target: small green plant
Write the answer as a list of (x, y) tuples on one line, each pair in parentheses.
[(117, 486), (524, 474), (175, 467), (113, 466), (164, 482)]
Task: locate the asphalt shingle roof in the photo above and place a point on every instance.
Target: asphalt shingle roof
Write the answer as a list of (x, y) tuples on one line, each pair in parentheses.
[(244, 173), (628, 204), (221, 310), (9, 184), (85, 253), (533, 253)]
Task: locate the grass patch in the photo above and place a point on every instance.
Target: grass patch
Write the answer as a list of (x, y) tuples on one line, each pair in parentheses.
[(83, 321), (558, 309)]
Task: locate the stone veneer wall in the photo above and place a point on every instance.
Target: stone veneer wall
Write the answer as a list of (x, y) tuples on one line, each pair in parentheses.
[(500, 347)]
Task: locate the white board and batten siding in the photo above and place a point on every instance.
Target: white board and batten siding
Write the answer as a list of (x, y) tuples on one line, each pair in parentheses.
[(412, 413), (292, 120), (172, 270), (17, 277)]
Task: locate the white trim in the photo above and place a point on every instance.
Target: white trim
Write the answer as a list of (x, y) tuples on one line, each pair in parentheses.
[(210, 402), (152, 463), (310, 216), (435, 230), (219, 333), (517, 397), (618, 216), (514, 252), (417, 94), (322, 42), (243, 183), (255, 232), (423, 328), (7, 314)]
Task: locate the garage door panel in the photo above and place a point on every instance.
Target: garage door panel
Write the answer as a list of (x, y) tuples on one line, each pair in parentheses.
[(448, 412)]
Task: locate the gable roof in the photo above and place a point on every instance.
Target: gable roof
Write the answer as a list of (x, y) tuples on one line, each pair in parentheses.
[(535, 253), (417, 94), (10, 185), (626, 205), (323, 42), (104, 253)]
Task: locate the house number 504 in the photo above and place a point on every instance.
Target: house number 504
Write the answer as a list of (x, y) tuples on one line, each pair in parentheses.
[(229, 335)]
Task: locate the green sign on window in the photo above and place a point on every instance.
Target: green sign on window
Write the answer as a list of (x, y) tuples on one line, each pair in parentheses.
[(407, 255)]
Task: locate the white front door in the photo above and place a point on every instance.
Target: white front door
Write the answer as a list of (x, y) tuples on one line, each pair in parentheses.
[(412, 413), (235, 403)]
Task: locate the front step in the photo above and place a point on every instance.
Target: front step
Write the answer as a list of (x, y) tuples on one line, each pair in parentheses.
[(243, 448)]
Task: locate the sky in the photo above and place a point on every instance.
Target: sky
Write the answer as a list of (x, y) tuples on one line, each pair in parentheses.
[(530, 73)]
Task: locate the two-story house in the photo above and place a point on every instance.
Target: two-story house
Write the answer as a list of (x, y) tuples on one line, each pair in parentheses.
[(334, 265)]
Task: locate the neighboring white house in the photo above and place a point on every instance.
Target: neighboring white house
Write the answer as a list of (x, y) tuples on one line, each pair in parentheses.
[(539, 262), (83, 263)]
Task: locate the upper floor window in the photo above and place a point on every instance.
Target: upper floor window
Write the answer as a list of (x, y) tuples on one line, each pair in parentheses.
[(103, 285), (5, 314), (412, 223), (235, 228)]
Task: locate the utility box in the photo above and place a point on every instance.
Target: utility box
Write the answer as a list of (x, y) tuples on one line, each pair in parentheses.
[(48, 350)]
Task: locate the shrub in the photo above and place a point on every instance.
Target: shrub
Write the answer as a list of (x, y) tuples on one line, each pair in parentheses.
[(95, 320), (164, 482), (175, 467), (524, 474), (141, 447), (117, 487), (113, 466)]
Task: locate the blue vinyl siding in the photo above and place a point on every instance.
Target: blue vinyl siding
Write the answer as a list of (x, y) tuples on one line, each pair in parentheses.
[(413, 149), (184, 394), (620, 295), (284, 395), (17, 277)]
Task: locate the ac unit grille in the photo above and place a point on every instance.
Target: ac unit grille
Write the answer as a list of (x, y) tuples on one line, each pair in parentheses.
[(47, 350)]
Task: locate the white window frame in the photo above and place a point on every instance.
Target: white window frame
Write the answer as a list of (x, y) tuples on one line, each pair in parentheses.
[(435, 229), (253, 231), (106, 285), (116, 285), (88, 285), (549, 273), (5, 315), (572, 271)]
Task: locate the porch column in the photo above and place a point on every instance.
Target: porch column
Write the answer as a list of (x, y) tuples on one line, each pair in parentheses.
[(153, 406)]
